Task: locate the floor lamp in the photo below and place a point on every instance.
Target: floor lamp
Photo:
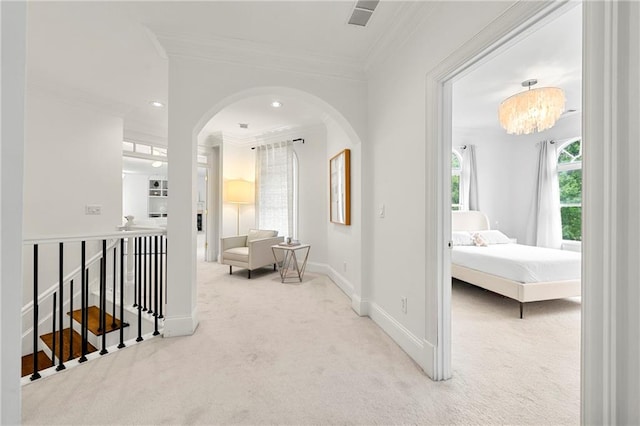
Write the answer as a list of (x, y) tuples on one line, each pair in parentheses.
[(239, 191)]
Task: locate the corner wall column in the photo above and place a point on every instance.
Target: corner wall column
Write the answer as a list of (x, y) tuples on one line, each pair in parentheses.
[(181, 310), (13, 42)]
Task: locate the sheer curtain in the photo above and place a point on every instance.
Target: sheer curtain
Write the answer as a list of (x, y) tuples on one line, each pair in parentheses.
[(546, 226), (469, 180), (275, 187)]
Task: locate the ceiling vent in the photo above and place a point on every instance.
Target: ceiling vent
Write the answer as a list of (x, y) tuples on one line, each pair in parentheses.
[(362, 12)]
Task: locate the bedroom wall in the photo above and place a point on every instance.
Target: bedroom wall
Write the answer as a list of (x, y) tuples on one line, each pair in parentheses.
[(507, 172)]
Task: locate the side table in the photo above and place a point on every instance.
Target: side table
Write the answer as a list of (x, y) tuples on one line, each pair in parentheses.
[(289, 266)]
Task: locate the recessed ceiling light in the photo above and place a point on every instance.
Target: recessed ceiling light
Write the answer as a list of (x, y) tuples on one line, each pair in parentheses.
[(276, 104), (157, 104), (156, 164), (243, 125)]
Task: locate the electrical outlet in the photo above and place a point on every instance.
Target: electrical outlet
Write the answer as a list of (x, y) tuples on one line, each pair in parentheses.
[(93, 209), (403, 304)]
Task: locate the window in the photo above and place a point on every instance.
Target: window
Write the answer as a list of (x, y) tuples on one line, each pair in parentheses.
[(456, 169), (277, 188), (570, 180)]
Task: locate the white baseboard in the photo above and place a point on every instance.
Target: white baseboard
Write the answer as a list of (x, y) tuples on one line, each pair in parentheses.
[(180, 325), (421, 351), (361, 307), (358, 305), (342, 283)]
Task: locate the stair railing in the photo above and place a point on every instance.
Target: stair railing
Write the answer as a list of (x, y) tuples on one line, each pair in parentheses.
[(142, 251)]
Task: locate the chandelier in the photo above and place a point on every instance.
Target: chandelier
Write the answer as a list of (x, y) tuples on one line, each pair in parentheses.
[(531, 111)]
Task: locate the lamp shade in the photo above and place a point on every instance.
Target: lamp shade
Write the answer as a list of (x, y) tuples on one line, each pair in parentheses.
[(531, 111), (238, 191)]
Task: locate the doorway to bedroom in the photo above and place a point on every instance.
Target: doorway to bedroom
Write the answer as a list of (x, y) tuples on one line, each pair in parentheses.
[(514, 190)]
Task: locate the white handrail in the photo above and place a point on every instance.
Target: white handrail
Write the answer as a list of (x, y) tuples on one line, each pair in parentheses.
[(140, 232)]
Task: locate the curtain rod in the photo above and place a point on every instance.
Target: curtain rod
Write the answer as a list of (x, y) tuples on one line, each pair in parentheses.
[(293, 140)]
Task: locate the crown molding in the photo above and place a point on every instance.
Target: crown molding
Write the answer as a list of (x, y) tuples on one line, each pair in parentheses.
[(269, 137), (261, 55), (76, 97), (406, 20)]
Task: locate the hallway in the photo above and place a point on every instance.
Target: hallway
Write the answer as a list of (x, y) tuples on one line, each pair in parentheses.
[(272, 353)]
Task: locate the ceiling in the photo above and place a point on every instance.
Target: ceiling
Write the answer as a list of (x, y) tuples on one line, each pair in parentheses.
[(106, 53), (552, 54)]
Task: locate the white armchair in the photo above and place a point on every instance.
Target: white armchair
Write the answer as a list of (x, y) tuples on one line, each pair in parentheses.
[(251, 251)]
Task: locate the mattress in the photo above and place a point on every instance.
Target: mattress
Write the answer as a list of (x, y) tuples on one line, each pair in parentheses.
[(520, 263)]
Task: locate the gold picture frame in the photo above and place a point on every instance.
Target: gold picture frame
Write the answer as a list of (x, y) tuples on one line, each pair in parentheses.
[(340, 188)]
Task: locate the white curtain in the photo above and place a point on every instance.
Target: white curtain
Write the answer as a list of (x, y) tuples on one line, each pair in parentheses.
[(546, 226), (275, 187), (469, 180)]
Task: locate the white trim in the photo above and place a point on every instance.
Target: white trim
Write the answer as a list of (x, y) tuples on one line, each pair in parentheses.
[(361, 307), (175, 326), (140, 232), (260, 55), (418, 349), (340, 281), (515, 21)]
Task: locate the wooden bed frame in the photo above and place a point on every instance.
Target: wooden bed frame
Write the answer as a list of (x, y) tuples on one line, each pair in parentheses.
[(529, 292)]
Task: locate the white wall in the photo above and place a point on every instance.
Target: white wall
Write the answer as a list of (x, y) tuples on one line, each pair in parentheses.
[(396, 174), (312, 190), (73, 157), (344, 257), (135, 190), (238, 162)]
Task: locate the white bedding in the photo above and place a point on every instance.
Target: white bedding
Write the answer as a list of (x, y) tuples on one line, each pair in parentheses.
[(525, 264)]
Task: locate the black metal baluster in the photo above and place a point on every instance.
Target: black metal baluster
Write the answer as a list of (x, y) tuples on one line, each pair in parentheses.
[(166, 269), (155, 288), (113, 294), (121, 344), (53, 330), (135, 270), (83, 302), (152, 249), (139, 338), (103, 298), (161, 275), (143, 296), (36, 374), (70, 321), (61, 289)]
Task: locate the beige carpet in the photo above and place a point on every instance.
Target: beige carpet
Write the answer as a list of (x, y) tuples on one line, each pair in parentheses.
[(271, 353)]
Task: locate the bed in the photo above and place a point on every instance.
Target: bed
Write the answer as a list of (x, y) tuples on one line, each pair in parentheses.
[(523, 273)]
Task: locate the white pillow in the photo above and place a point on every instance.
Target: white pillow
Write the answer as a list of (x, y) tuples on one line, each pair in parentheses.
[(493, 236), (461, 238)]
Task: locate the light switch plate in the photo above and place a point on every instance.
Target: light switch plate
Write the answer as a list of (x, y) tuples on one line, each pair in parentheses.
[(93, 209)]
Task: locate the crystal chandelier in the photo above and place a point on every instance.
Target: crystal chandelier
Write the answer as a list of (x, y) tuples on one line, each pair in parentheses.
[(531, 111)]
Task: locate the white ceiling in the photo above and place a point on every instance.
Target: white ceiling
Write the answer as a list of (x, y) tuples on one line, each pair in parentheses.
[(552, 54), (106, 54)]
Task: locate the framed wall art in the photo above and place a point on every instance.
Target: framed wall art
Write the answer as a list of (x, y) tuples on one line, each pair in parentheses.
[(340, 187)]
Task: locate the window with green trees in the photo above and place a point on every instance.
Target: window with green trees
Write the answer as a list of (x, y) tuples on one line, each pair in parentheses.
[(456, 168), (570, 180)]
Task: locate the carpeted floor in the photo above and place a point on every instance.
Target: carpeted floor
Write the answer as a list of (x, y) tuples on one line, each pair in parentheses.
[(272, 353)]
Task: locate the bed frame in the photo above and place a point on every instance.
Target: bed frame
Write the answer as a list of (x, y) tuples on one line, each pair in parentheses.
[(529, 292)]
